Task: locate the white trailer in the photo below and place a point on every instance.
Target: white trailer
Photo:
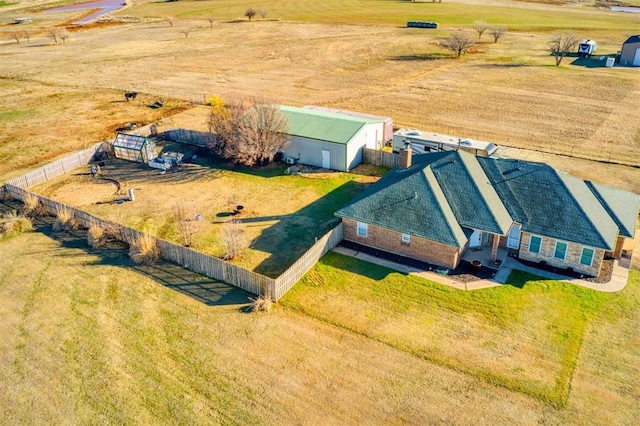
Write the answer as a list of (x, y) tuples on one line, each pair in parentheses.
[(586, 48), (424, 142)]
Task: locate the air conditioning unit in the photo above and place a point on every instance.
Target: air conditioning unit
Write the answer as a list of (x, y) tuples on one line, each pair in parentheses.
[(291, 160)]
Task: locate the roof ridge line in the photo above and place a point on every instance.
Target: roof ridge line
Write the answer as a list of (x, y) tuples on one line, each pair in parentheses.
[(557, 173), (484, 199), (437, 198)]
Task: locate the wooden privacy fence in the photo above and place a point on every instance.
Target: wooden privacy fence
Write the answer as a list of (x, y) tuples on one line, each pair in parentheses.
[(292, 275), (188, 258), (191, 137), (379, 158)]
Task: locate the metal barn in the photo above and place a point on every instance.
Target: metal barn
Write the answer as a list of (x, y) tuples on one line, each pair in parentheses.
[(329, 140), (134, 148), (630, 53), (387, 130)]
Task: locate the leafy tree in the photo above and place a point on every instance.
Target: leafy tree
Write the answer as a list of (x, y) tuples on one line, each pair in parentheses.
[(250, 13), (458, 42), (480, 27), (561, 43)]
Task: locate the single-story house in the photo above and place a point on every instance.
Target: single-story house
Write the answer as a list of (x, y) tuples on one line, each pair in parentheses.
[(436, 206), (329, 140), (387, 128), (630, 53)]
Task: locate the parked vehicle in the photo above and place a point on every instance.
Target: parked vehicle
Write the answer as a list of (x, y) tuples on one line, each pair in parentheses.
[(586, 48)]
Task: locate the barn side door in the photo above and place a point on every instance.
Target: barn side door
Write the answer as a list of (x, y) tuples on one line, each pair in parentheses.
[(326, 159)]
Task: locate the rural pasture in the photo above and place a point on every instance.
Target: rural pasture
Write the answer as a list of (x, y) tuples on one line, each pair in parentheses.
[(87, 337)]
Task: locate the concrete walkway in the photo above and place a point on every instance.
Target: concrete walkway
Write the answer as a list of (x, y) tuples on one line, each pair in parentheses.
[(618, 280)]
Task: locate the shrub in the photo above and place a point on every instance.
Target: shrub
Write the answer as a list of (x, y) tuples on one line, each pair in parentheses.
[(32, 206), (96, 236), (144, 251), (233, 239), (260, 304), (65, 220), (13, 224)]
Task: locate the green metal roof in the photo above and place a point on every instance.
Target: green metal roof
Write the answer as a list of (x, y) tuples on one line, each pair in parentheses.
[(622, 206), (324, 126)]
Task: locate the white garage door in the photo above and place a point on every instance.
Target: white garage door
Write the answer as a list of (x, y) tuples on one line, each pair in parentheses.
[(636, 58)]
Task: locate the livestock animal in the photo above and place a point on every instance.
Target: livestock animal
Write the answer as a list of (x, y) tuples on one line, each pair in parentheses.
[(130, 95)]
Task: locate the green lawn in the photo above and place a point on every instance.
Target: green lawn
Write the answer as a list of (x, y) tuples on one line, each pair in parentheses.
[(525, 336)]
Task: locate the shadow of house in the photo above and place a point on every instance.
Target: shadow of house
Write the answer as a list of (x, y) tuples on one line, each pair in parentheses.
[(293, 234)]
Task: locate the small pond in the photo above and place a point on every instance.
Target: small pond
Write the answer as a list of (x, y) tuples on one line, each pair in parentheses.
[(105, 6), (625, 9)]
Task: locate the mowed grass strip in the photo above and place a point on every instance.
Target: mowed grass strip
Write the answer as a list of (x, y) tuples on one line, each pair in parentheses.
[(525, 336)]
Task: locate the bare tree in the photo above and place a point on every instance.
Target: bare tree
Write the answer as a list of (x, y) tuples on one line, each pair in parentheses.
[(480, 27), (210, 19), (497, 32), (561, 43), (263, 12), (15, 36), (233, 239), (53, 34), (458, 42), (186, 32), (250, 13), (188, 221), (27, 35), (248, 132), (63, 35), (169, 20)]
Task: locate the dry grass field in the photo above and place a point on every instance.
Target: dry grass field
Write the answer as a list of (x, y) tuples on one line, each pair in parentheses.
[(89, 338)]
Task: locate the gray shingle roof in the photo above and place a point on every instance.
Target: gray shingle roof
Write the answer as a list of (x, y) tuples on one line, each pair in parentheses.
[(551, 203), (473, 200), (622, 206), (409, 201)]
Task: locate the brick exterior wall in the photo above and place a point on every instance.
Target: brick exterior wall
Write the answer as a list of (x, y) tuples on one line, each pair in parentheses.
[(574, 251), (391, 241)]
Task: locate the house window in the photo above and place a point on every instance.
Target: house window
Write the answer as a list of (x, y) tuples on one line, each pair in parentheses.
[(561, 250), (406, 238), (362, 229), (586, 258), (535, 243)]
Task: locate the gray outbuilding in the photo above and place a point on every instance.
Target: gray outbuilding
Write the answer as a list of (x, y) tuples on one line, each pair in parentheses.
[(329, 140), (630, 54)]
